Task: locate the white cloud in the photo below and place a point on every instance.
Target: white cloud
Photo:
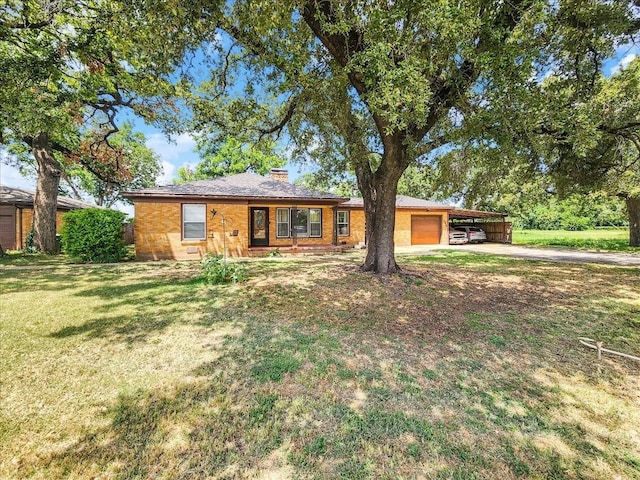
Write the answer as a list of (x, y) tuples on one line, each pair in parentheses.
[(172, 153), (168, 170), (10, 176), (623, 63), (181, 146)]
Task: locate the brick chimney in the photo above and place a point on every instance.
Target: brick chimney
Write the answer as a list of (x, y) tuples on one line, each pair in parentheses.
[(280, 174)]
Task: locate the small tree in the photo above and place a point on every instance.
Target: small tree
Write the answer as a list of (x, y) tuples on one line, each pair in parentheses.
[(94, 235), (229, 158)]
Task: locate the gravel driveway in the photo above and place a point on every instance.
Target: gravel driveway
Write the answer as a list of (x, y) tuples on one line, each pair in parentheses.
[(534, 253)]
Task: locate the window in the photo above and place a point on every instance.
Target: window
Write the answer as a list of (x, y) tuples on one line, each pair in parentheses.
[(343, 223), (315, 222), (301, 224), (307, 222), (282, 221), (193, 221)]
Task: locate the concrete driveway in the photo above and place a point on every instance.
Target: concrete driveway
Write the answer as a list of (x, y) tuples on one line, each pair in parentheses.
[(533, 253)]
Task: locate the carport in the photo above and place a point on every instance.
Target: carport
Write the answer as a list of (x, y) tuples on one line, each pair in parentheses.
[(497, 229)]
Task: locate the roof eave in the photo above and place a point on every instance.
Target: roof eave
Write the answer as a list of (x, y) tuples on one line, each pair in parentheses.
[(192, 196)]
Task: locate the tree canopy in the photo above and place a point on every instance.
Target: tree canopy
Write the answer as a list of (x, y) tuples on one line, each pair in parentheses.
[(230, 158), (376, 86), (96, 174), (372, 87), (64, 69), (138, 167), (569, 142)]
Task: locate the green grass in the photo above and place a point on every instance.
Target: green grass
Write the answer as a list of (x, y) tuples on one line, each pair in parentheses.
[(18, 258), (615, 240), (311, 369)]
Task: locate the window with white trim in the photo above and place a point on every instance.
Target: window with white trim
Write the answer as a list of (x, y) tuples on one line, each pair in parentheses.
[(282, 223), (342, 223), (307, 222), (315, 222), (194, 218)]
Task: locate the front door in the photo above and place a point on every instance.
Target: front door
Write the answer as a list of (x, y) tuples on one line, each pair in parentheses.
[(259, 227)]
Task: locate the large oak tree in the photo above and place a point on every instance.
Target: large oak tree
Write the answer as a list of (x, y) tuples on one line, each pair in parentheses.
[(374, 86), (64, 67)]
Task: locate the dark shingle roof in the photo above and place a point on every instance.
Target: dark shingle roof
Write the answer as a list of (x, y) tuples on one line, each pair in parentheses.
[(244, 185), (403, 201), (17, 196)]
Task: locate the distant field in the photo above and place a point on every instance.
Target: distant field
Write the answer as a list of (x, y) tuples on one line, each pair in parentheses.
[(601, 239)]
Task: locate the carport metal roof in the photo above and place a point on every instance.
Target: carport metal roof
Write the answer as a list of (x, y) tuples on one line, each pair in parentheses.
[(465, 214)]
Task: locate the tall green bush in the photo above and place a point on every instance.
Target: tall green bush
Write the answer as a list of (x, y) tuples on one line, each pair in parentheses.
[(94, 235)]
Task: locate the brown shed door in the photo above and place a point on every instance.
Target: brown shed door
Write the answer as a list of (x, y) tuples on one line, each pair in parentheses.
[(8, 227), (425, 230)]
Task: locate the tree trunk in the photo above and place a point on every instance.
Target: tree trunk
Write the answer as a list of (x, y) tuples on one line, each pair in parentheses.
[(633, 209), (379, 198), (381, 247), (46, 199), (364, 177)]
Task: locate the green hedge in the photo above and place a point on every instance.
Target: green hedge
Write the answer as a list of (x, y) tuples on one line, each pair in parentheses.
[(94, 235)]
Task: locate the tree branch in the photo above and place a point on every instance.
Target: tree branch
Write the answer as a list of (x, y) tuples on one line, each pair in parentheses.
[(448, 90), (278, 128)]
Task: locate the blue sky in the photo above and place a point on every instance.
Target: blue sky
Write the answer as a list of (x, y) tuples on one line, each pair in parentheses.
[(180, 151)]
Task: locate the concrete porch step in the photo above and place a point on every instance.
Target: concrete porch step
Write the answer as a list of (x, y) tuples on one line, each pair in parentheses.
[(298, 250)]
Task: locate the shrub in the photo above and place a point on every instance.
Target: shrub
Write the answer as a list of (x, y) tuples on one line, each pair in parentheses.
[(94, 235), (30, 246), (576, 223), (216, 271)]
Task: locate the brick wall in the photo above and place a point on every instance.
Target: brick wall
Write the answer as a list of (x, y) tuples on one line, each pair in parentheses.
[(402, 236), (158, 231), (356, 227), (27, 222)]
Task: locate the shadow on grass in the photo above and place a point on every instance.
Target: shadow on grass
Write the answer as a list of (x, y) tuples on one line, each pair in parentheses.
[(38, 280), (441, 372), (149, 307), (128, 328), (291, 402), (70, 276)]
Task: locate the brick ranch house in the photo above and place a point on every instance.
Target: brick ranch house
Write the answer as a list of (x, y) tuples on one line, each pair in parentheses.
[(249, 215), (16, 215)]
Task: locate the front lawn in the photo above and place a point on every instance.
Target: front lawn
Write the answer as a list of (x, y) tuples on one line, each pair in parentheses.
[(19, 258), (464, 367), (603, 240)]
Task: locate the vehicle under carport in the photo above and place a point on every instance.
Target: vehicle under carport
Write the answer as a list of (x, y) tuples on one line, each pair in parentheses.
[(497, 229)]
